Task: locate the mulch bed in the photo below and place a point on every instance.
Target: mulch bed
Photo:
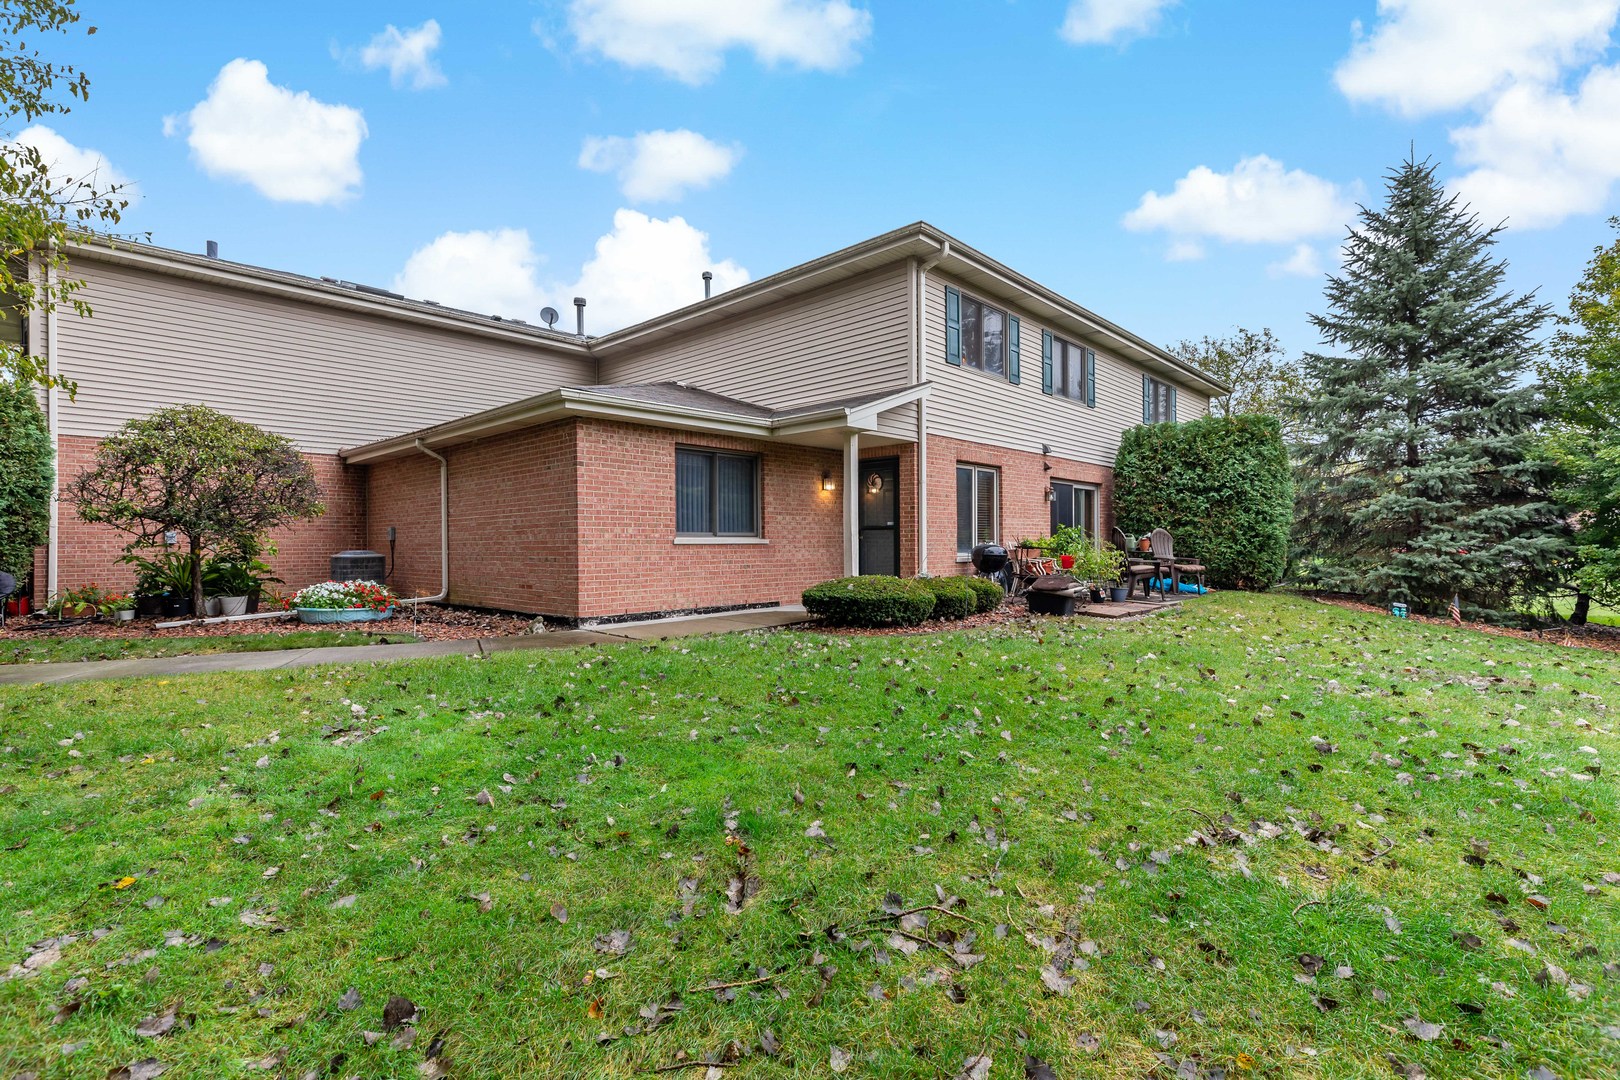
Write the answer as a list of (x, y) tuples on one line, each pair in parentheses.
[(429, 622), (1590, 636)]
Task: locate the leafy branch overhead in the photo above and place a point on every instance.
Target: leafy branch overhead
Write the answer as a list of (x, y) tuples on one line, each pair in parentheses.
[(40, 206)]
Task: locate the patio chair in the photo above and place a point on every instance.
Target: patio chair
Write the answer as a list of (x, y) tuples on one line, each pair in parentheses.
[(1164, 551), (1136, 568)]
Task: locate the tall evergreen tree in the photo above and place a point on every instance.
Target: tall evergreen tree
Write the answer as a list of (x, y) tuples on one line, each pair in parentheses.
[(1427, 476)]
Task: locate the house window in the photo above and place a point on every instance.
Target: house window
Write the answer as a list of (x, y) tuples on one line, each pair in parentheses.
[(978, 500), (1074, 504), (1158, 401), (976, 336), (1074, 371), (716, 494)]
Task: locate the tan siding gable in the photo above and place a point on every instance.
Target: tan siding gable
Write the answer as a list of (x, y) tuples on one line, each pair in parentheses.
[(848, 339), (968, 405), (324, 377)]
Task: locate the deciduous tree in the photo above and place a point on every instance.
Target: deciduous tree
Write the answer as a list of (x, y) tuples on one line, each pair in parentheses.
[(195, 471)]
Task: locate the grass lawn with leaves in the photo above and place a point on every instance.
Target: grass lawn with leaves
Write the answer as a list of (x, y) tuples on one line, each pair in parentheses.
[(19, 649), (1258, 837)]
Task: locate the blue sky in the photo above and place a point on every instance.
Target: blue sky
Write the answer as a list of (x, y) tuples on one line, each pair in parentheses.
[(1181, 167)]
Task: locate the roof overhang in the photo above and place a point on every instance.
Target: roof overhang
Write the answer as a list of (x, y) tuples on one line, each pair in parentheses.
[(811, 427)]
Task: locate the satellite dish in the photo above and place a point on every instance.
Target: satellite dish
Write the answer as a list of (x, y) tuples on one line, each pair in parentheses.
[(549, 316)]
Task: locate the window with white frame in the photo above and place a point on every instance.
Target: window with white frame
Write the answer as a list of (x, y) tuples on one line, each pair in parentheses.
[(1158, 401), (716, 493), (1074, 504), (978, 506)]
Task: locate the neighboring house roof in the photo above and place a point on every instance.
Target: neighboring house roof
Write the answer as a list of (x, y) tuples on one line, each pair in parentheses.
[(919, 240), (661, 404)]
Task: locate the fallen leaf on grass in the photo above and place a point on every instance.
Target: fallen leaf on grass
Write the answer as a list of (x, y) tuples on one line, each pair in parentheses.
[(559, 913), (615, 943), (839, 1058), (344, 902), (398, 1012), (145, 1069), (1423, 1029), (976, 1067), (1036, 1069), (156, 1026), (350, 1000)]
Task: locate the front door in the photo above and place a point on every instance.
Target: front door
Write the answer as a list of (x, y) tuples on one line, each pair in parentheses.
[(880, 516)]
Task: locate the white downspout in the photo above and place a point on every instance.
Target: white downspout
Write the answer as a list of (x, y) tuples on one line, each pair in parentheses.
[(444, 528), (852, 504), (53, 409), (919, 373)]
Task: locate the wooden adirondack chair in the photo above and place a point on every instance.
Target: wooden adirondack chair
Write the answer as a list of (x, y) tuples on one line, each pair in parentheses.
[(1164, 551), (1136, 569)]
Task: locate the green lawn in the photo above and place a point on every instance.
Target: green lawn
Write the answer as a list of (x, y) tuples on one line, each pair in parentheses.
[(1597, 613), (20, 649), (553, 855)]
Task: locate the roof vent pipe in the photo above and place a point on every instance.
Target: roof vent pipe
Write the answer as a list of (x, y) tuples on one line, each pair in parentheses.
[(708, 283), (579, 309), (213, 249)]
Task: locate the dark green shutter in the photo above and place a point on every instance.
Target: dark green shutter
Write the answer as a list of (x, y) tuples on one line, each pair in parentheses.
[(1147, 400), (1012, 349), (1091, 378), (1046, 361), (953, 326), (1172, 404)]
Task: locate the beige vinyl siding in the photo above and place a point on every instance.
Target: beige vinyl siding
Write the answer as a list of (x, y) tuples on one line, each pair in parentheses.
[(970, 405), (851, 338), (324, 377)]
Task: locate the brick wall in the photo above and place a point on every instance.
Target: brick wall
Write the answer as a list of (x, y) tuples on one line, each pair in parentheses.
[(513, 522), (89, 553), (1025, 513), (627, 525)]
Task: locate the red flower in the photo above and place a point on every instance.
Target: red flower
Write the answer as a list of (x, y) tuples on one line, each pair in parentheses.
[(1066, 561)]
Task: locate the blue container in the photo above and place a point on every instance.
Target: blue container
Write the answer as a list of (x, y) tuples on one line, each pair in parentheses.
[(341, 615), (1398, 610)]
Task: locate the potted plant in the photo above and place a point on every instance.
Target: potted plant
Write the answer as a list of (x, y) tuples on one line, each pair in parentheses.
[(81, 603), (118, 606), (237, 571), (343, 601)]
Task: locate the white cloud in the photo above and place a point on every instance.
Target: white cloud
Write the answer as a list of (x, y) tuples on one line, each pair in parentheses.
[(1305, 261), (647, 266), (491, 272), (1106, 22), (1540, 155), (289, 146), (69, 167), (1427, 56), (407, 54), (688, 40), (1185, 251), (644, 267), (659, 165), (1258, 202)]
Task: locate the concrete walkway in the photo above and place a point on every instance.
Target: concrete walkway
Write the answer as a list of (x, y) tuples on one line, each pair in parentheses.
[(611, 634)]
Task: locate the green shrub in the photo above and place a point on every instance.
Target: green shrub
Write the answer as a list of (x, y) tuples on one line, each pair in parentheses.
[(1222, 487), (26, 469), (953, 599), (870, 600), (986, 593)]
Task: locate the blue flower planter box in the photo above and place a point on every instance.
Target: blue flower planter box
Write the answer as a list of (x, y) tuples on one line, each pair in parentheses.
[(341, 615)]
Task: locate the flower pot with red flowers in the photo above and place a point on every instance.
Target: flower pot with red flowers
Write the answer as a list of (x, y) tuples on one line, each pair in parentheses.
[(344, 601)]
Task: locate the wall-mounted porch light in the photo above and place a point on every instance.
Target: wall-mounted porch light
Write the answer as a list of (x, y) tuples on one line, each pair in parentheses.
[(826, 480), (874, 484), (1051, 495)]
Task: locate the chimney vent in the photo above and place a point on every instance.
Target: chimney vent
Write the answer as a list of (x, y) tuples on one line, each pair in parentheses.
[(213, 249), (708, 284), (579, 308)]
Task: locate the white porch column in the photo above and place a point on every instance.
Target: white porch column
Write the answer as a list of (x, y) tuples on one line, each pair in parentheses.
[(852, 503)]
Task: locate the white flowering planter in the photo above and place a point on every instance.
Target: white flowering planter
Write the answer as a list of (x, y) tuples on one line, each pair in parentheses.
[(341, 615)]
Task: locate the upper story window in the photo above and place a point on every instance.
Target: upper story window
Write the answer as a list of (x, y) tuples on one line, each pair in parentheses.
[(1158, 401), (716, 494), (980, 336), (1068, 370)]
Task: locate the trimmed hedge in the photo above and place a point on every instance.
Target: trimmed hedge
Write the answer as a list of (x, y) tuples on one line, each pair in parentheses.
[(1222, 487), (986, 592), (953, 599), (870, 600)]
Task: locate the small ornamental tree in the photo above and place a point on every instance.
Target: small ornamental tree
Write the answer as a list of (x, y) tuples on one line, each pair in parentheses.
[(26, 472), (195, 471)]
